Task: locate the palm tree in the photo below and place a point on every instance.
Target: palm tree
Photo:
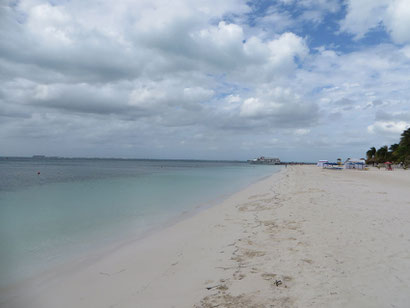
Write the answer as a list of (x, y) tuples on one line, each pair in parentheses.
[(396, 152), (403, 151), (394, 147), (393, 152), (381, 154), (370, 155)]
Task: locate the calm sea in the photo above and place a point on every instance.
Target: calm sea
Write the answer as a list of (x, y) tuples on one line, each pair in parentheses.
[(54, 209)]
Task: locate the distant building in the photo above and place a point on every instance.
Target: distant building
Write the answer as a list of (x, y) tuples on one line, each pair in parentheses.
[(265, 160)]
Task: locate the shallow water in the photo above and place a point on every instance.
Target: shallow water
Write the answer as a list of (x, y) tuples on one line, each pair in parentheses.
[(74, 205)]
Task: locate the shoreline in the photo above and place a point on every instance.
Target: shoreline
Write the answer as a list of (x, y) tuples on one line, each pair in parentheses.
[(304, 237), (79, 260)]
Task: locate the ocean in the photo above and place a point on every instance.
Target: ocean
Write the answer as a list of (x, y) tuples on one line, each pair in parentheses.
[(54, 210)]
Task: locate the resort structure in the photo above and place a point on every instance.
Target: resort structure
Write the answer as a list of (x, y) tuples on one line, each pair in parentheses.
[(265, 161)]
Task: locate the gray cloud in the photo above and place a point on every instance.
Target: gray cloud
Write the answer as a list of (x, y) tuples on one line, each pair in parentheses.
[(390, 115), (162, 79), (344, 102), (377, 102)]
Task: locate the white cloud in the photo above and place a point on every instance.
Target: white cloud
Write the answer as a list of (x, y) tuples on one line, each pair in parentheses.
[(394, 128), (253, 107), (270, 103), (286, 47), (398, 20), (275, 20), (280, 106), (365, 15), (51, 24), (302, 131), (151, 74)]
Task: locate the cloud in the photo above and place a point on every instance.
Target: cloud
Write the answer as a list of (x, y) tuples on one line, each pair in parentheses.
[(398, 21), (282, 107), (357, 79), (393, 116), (79, 46), (344, 102), (366, 15), (390, 123), (138, 67), (394, 128), (302, 131), (291, 15), (145, 76)]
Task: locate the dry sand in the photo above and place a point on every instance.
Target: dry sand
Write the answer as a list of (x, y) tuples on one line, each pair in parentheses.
[(305, 237)]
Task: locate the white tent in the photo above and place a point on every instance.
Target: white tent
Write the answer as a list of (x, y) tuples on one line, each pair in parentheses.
[(322, 162), (355, 163)]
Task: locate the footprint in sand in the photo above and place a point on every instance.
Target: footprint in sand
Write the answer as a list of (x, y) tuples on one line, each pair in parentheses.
[(307, 261), (268, 276)]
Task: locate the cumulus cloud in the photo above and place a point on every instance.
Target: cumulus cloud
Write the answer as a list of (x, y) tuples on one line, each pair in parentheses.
[(390, 123), (365, 15), (382, 115), (281, 106), (210, 76), (292, 15), (151, 62), (394, 128)]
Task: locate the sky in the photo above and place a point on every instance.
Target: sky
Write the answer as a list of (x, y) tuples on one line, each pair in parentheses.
[(300, 80)]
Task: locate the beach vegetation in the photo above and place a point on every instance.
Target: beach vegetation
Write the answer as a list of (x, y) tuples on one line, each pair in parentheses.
[(370, 155), (382, 154), (397, 152)]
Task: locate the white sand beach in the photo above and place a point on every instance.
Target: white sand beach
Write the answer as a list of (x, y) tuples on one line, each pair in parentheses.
[(305, 237)]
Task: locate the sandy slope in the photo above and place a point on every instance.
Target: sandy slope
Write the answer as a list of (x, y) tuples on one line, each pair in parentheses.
[(306, 237)]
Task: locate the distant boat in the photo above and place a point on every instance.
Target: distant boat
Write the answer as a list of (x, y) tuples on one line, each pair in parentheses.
[(265, 161)]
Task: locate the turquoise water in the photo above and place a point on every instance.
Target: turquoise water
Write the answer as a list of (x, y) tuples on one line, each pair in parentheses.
[(74, 206)]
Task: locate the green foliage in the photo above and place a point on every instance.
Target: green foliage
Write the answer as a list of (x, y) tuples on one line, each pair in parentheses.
[(382, 154), (403, 151), (371, 155), (398, 152), (394, 147)]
